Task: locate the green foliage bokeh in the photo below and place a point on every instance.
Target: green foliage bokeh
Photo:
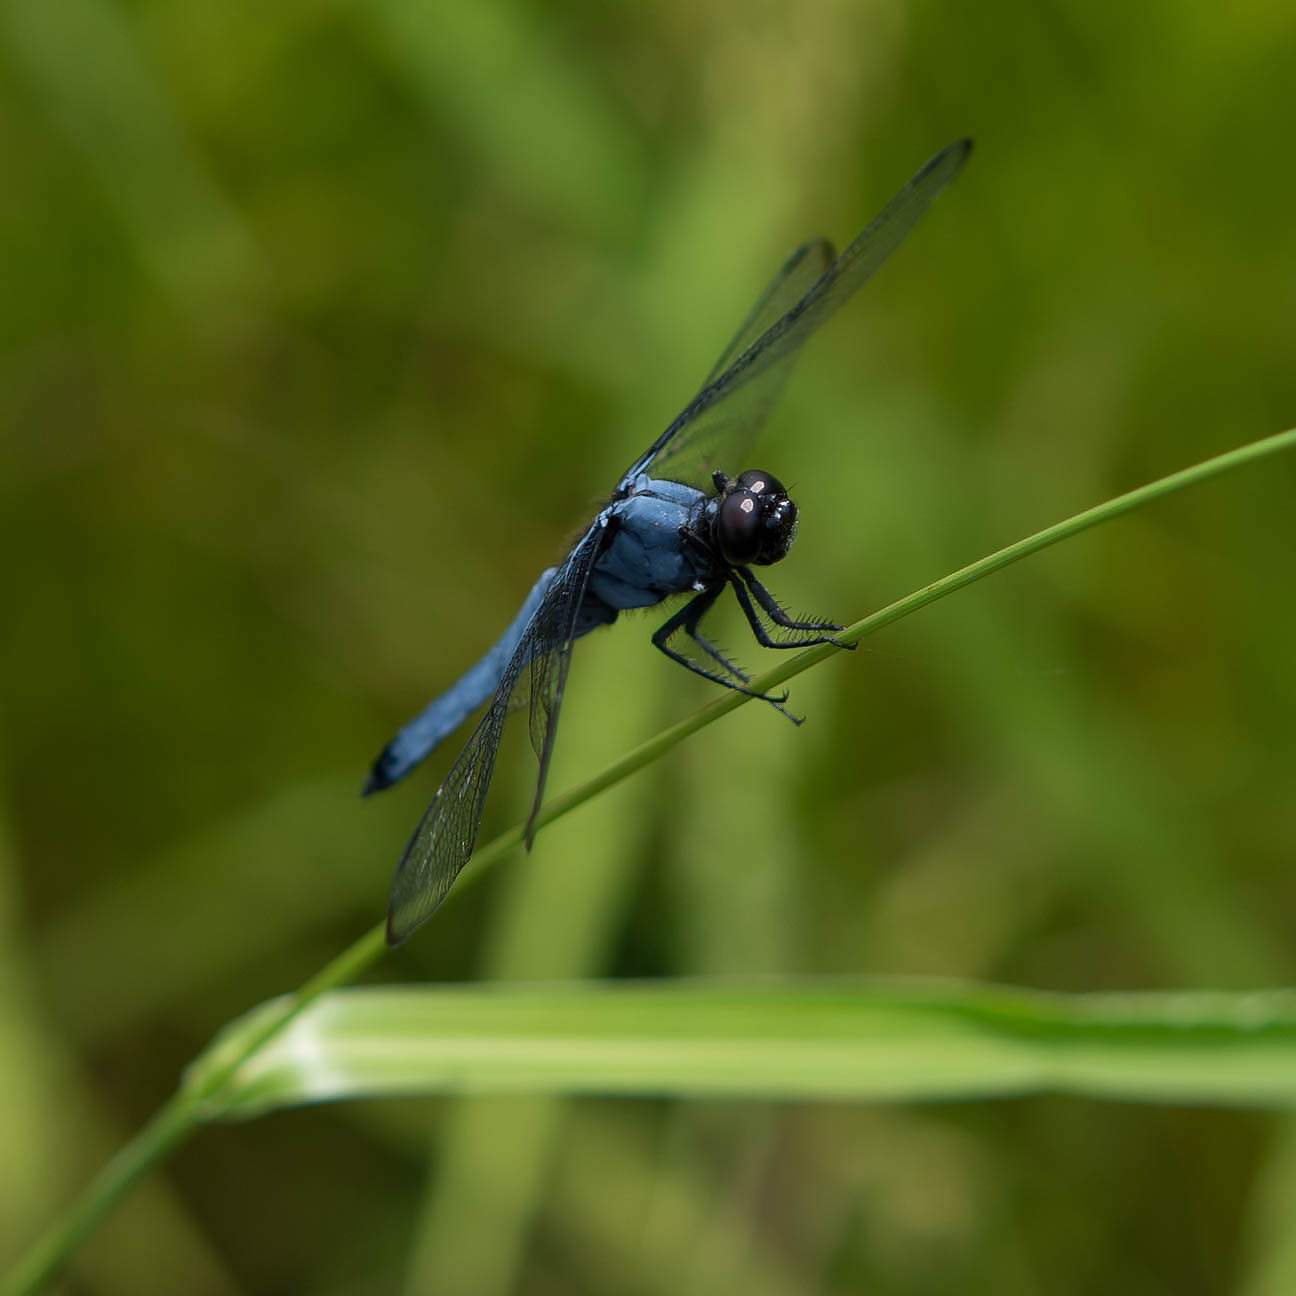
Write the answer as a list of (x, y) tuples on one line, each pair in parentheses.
[(325, 325)]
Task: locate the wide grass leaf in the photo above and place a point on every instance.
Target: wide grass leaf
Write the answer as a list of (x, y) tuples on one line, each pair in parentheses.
[(803, 1040)]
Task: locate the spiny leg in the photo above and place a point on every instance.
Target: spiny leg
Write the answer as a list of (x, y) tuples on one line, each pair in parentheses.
[(776, 614), (712, 651), (716, 655), (687, 619)]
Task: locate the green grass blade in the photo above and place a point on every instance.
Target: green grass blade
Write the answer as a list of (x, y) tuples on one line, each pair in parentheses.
[(802, 1040), (657, 746)]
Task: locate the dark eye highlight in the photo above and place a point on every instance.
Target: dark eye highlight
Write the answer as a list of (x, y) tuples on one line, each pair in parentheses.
[(755, 521), (738, 527)]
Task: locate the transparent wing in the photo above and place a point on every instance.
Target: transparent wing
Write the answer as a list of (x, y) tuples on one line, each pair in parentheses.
[(721, 435), (556, 625), (794, 279), (712, 423), (443, 841)]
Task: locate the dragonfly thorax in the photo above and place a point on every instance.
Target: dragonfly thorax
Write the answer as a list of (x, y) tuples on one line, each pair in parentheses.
[(754, 521)]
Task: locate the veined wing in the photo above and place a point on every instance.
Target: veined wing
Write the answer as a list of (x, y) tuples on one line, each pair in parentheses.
[(794, 278), (721, 435), (556, 624), (763, 364), (443, 841)]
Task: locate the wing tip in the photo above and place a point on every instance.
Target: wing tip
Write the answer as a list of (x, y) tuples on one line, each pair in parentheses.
[(394, 937), (950, 160)]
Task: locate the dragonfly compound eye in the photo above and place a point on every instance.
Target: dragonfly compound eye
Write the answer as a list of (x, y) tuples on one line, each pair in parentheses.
[(755, 521)]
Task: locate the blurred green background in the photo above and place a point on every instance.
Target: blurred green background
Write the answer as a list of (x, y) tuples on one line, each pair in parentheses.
[(323, 327)]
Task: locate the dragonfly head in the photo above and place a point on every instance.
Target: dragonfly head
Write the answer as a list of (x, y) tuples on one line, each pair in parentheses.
[(754, 521)]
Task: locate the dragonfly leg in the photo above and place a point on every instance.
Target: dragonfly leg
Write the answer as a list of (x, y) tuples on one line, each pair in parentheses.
[(712, 651), (716, 654), (687, 619), (741, 577)]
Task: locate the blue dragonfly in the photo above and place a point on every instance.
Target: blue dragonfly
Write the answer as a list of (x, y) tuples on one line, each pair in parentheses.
[(676, 523)]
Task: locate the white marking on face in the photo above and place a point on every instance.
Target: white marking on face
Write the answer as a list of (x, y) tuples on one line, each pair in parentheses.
[(747, 505)]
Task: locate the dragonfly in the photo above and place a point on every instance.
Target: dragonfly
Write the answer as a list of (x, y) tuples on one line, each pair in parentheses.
[(676, 523)]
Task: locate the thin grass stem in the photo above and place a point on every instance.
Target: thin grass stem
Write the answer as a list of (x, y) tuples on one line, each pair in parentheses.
[(199, 1097)]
